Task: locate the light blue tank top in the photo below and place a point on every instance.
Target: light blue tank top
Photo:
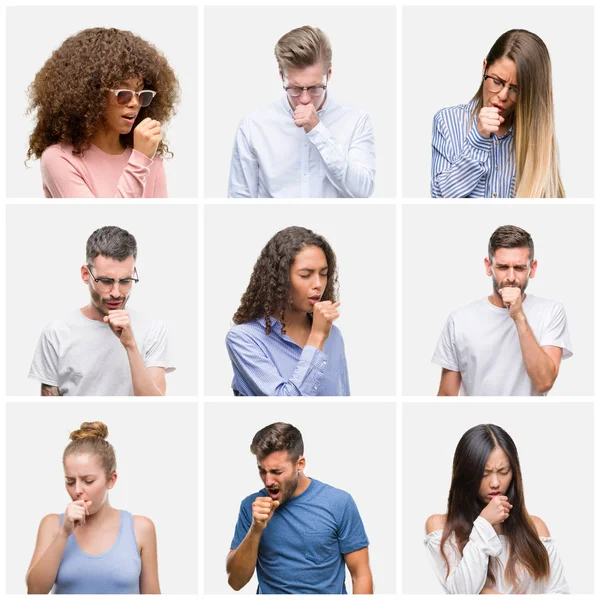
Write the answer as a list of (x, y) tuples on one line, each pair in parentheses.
[(116, 571)]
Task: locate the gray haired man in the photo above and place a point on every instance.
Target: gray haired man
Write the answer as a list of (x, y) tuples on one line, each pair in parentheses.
[(94, 351)]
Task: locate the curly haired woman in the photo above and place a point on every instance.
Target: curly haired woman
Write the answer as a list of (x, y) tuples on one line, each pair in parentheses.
[(100, 101), (284, 342)]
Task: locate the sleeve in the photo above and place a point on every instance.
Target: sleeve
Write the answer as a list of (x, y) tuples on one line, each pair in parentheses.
[(456, 171), (160, 185), (345, 391), (44, 366), (352, 173), (243, 524), (556, 331), (62, 178), (351, 531), (261, 374), (445, 352), (557, 584), (243, 171), (468, 573), (156, 348)]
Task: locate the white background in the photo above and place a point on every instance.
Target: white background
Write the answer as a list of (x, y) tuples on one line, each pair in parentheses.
[(234, 237), (46, 248), (30, 42), (157, 467), (555, 445), (444, 49), (444, 248), (241, 75), (358, 457)]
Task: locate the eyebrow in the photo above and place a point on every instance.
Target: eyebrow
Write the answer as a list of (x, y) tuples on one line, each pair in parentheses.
[(308, 269), (494, 76), (503, 266)]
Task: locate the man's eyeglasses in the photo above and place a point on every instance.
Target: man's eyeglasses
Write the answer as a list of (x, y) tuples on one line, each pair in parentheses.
[(315, 90), (495, 86), (124, 97), (106, 284)]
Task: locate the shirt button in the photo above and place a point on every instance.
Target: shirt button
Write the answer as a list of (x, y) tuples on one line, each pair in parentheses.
[(494, 194), (496, 168), (324, 363), (315, 388), (496, 143)]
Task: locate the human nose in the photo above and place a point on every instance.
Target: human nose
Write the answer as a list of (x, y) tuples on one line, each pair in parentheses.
[(134, 101), (511, 274), (115, 291), (305, 97), (78, 488), (503, 93), (494, 481), (269, 480)]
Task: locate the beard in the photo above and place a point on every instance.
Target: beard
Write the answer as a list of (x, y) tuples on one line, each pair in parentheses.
[(288, 488), (99, 302), (504, 284)]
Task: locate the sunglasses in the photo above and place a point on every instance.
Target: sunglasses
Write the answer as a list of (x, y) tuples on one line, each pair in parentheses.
[(144, 97)]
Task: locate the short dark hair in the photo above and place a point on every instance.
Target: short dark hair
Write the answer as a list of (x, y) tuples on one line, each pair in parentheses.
[(275, 438), (112, 242), (509, 236)]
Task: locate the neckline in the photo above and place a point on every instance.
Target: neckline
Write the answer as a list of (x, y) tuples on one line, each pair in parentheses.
[(95, 148), (111, 549)]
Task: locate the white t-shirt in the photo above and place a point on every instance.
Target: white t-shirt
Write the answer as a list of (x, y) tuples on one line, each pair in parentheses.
[(481, 341), (83, 357)]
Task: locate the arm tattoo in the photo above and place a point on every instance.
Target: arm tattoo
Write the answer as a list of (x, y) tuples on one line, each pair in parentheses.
[(50, 390)]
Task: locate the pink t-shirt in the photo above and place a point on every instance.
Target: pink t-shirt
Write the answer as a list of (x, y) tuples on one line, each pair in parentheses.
[(95, 174)]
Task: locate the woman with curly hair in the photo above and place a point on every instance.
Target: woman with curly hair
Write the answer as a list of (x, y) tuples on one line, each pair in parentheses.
[(284, 342), (93, 548), (502, 143), (100, 101), (487, 542)]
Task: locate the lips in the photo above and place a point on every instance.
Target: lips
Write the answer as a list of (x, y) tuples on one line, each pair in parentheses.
[(498, 106), (314, 299), (129, 117), (114, 305), (494, 494), (273, 492)]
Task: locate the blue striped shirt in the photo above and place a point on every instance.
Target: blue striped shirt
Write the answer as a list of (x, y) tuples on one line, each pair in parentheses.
[(464, 164), (275, 365)]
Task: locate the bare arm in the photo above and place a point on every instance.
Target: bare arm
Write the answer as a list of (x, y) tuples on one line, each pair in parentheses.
[(542, 364), (50, 390), (487, 590), (449, 383), (146, 535), (49, 549), (147, 381), (241, 562), (360, 571)]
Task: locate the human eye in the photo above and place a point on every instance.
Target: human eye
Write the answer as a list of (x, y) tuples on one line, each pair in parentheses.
[(69, 482), (126, 281), (498, 81), (106, 281), (89, 482), (513, 89)]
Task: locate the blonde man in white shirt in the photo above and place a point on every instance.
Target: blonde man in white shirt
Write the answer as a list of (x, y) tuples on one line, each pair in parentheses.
[(510, 343), (305, 144)]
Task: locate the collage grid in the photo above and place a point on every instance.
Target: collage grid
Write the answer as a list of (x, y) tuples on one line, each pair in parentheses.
[(418, 418)]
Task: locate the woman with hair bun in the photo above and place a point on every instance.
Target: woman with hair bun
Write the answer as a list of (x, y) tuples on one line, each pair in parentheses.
[(93, 548), (502, 143), (284, 342), (487, 542), (100, 103)]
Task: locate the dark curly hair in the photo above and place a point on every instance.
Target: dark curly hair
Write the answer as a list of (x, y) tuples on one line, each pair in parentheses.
[(69, 91), (268, 293)]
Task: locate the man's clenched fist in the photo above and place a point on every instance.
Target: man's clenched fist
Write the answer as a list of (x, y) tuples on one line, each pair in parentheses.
[(118, 321), (262, 511), (511, 297), (306, 116)]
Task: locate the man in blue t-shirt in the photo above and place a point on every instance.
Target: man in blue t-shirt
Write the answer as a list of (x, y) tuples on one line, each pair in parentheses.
[(297, 532)]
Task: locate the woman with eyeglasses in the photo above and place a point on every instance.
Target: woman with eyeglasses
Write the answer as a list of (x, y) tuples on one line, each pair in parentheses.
[(487, 542), (100, 101), (93, 548), (502, 143)]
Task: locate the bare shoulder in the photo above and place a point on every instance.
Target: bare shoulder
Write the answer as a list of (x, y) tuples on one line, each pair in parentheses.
[(143, 525), (540, 526), (435, 523), (50, 523)]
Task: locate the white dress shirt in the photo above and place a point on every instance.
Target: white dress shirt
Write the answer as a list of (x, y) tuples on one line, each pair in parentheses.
[(468, 573), (273, 158)]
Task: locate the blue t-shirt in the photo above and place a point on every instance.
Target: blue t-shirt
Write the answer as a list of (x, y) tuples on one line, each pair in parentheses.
[(301, 549)]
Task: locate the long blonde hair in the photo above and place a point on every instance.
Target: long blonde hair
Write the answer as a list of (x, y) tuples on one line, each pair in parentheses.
[(536, 149)]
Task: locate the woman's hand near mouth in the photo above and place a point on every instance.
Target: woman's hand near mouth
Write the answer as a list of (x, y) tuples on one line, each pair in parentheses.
[(497, 510), (489, 121), (147, 136)]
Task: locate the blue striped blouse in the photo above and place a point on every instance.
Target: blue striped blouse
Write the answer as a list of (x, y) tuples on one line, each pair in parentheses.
[(274, 365), (464, 164)]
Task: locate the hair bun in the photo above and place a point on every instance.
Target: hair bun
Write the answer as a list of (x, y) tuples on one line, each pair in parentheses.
[(90, 430)]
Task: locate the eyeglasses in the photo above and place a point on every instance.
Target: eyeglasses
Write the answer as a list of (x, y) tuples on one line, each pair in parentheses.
[(144, 97), (314, 90), (106, 284), (495, 86)]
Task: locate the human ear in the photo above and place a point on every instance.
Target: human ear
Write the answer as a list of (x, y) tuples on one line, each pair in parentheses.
[(301, 464), (533, 269), (85, 274), (488, 266), (111, 481), (484, 67)]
